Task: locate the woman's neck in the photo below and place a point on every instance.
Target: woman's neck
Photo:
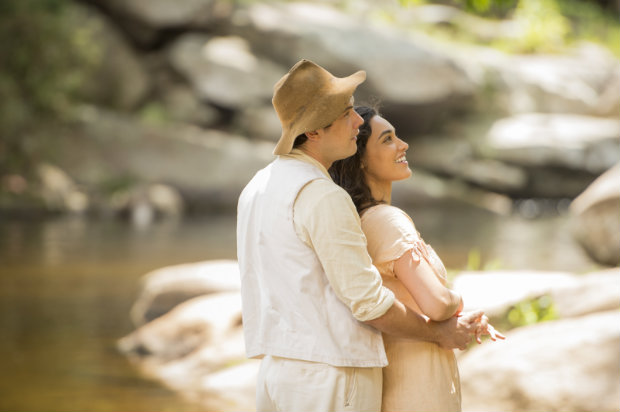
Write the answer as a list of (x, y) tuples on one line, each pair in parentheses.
[(381, 191)]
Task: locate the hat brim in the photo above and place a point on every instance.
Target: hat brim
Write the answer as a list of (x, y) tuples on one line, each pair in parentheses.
[(345, 87)]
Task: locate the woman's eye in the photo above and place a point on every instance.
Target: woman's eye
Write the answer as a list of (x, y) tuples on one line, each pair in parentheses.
[(388, 139)]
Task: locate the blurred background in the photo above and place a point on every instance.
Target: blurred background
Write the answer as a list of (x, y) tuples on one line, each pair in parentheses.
[(129, 127)]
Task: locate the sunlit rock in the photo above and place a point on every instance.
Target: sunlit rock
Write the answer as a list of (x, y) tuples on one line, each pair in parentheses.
[(566, 365), (583, 81), (59, 191), (224, 71), (164, 288), (200, 321), (417, 84), (596, 218), (561, 140), (496, 292)]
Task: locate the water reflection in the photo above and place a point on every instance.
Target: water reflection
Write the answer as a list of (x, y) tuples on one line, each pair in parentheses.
[(67, 285)]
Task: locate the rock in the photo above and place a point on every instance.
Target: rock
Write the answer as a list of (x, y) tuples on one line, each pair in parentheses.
[(198, 322), (232, 389), (595, 218), (496, 292), (582, 82), (59, 191), (594, 292), (208, 168), (162, 14), (259, 122), (183, 106), (456, 158), (567, 141), (223, 71), (418, 86), (120, 80), (566, 365), (143, 204), (572, 295), (163, 289)]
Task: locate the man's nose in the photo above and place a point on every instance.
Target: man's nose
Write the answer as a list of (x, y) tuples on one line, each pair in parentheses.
[(359, 119)]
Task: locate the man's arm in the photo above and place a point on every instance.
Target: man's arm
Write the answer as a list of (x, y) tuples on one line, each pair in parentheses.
[(454, 333), (325, 219)]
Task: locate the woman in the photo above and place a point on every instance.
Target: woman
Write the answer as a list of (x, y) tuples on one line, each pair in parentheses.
[(421, 376)]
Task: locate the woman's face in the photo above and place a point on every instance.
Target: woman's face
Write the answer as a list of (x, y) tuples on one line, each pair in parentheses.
[(384, 160)]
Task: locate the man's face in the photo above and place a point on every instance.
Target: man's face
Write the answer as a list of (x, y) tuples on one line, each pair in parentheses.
[(339, 139)]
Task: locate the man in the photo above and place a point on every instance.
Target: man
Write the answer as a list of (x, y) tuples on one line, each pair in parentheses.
[(313, 305)]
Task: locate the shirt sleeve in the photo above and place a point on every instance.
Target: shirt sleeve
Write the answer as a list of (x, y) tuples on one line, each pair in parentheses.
[(391, 233), (325, 219)]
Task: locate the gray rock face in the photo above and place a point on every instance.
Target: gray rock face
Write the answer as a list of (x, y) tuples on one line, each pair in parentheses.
[(161, 14), (416, 84), (567, 365), (208, 168), (581, 82), (120, 79), (223, 70), (569, 141), (596, 218)]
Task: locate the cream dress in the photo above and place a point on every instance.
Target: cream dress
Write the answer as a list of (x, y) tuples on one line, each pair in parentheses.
[(421, 376)]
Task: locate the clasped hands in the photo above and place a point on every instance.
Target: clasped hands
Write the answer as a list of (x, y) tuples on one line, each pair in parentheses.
[(459, 330)]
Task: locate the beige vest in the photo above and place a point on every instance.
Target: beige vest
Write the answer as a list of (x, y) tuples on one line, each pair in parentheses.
[(289, 308)]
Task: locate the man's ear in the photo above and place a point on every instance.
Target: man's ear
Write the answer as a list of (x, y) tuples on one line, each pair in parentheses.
[(313, 136)]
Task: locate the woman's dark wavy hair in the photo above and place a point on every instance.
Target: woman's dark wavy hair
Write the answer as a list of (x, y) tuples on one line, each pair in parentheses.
[(348, 173)]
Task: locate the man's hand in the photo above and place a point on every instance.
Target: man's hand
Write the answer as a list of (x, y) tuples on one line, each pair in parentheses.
[(456, 332)]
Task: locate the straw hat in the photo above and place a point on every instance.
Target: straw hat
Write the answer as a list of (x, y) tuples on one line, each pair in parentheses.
[(308, 98)]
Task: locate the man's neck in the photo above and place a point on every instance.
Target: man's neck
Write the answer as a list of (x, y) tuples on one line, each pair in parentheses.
[(316, 156)]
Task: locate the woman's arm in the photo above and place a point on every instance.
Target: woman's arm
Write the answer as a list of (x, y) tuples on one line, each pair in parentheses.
[(434, 299)]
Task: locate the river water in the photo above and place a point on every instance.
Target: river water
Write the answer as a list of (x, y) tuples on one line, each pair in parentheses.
[(67, 285)]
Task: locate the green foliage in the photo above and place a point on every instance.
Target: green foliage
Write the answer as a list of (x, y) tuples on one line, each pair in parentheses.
[(541, 25), (544, 27), (531, 311), (46, 56), (474, 262)]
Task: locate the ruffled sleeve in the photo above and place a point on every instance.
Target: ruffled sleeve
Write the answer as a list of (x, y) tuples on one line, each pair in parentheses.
[(390, 233)]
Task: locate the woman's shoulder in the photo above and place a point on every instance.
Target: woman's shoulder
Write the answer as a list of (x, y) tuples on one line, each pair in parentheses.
[(385, 212), (387, 218)]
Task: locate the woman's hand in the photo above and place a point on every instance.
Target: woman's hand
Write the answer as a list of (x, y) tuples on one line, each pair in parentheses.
[(483, 327)]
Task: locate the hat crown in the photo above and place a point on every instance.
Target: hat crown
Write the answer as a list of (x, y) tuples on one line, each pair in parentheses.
[(308, 98)]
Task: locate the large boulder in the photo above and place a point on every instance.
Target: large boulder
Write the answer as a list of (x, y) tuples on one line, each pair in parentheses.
[(224, 71), (202, 321), (119, 79), (162, 14), (417, 85), (596, 218), (571, 295), (163, 289), (584, 81), (559, 153), (209, 168), (566, 141), (567, 365)]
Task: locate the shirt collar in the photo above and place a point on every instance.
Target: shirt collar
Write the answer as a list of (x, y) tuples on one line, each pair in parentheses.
[(300, 155)]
